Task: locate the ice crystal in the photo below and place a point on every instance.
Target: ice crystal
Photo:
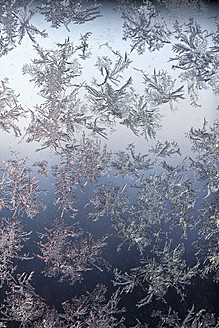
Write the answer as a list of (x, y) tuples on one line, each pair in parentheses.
[(205, 165), (15, 19), (22, 304), (93, 310), (194, 57), (181, 8), (50, 319), (10, 109), (163, 202), (165, 149), (20, 188), (144, 26), (62, 113), (43, 168), (65, 186), (54, 121), (140, 325), (147, 215), (63, 12), (111, 71), (142, 119), (80, 163), (12, 238), (132, 165), (67, 254), (107, 101), (145, 199), (84, 46), (110, 103), (169, 270), (129, 164), (54, 70), (159, 89), (207, 244), (192, 320), (110, 200)]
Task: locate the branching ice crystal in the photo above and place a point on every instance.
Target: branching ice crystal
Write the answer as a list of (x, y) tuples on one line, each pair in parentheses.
[(140, 325), (51, 319), (84, 46), (10, 110), (129, 164), (132, 165), (141, 118), (22, 304), (19, 188), (65, 187), (166, 197), (43, 167), (164, 200), (110, 200), (93, 310), (54, 71), (107, 101), (67, 254), (164, 149), (197, 60), (56, 119), (64, 12), (200, 319), (207, 244), (144, 27), (214, 81), (181, 8), (15, 19), (147, 215), (169, 270), (80, 163), (205, 165), (110, 72), (53, 129), (159, 89), (12, 238)]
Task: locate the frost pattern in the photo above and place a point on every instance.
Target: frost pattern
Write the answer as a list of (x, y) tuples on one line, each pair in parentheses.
[(80, 163), (12, 238), (63, 12), (170, 271), (15, 23), (144, 26), (19, 188), (194, 57), (10, 109), (156, 211), (109, 100), (192, 320), (67, 254), (160, 89)]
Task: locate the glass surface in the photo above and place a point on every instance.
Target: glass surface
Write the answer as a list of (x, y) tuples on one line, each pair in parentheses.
[(109, 164)]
